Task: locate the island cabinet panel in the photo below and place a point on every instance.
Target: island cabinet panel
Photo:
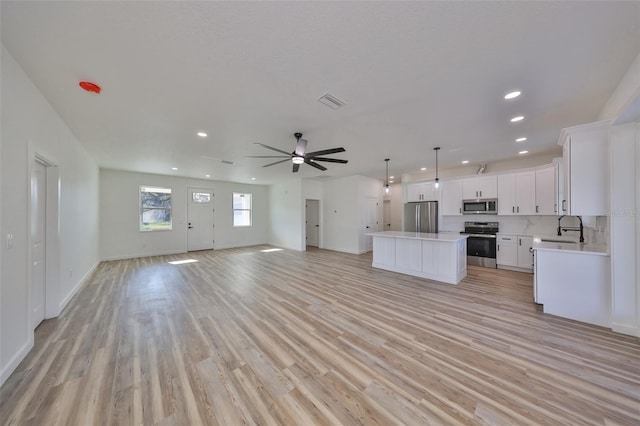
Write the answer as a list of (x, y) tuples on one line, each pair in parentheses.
[(439, 259), (384, 251), (408, 254)]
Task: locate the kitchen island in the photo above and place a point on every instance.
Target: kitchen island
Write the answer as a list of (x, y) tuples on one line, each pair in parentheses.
[(439, 257)]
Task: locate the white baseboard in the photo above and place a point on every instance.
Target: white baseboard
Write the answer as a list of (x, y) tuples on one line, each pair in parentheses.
[(15, 361), (625, 329), (138, 255), (77, 287)]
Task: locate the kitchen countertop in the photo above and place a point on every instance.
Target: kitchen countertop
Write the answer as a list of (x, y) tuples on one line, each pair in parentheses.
[(568, 246), (446, 236)]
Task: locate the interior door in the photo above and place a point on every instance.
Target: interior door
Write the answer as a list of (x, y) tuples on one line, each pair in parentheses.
[(38, 241), (371, 220), (200, 219), (313, 223)]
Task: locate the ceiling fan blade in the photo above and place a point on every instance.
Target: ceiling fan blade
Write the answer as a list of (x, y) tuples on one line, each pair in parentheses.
[(272, 148), (296, 167), (301, 146), (277, 162), (316, 165), (267, 156), (329, 160), (325, 152)]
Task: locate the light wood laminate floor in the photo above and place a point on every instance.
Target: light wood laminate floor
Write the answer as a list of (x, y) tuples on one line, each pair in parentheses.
[(318, 337)]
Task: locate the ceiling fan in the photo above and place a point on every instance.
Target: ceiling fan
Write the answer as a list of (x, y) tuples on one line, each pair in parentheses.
[(299, 156)]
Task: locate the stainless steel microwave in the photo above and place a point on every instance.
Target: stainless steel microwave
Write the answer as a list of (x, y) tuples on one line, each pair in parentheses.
[(488, 206)]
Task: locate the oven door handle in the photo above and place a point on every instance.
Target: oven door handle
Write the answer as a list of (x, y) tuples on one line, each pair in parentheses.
[(480, 235)]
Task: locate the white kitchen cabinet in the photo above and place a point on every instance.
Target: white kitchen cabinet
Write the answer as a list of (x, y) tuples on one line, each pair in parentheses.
[(525, 252), (451, 198), (506, 250), (547, 190), (480, 187), (517, 193), (585, 169), (512, 252), (421, 191), (574, 285)]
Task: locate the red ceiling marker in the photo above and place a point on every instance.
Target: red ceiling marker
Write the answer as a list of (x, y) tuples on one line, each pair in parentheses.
[(90, 87)]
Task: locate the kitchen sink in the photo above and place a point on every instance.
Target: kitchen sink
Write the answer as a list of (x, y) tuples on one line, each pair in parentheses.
[(544, 240)]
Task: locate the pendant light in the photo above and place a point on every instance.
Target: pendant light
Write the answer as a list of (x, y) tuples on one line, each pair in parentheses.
[(386, 182), (437, 184)]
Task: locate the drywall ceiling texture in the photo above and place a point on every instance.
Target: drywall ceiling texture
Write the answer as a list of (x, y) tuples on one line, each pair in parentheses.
[(414, 75)]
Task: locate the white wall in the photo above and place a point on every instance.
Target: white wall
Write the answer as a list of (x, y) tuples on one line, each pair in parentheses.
[(343, 210), (31, 126), (121, 238), (286, 207), (625, 228)]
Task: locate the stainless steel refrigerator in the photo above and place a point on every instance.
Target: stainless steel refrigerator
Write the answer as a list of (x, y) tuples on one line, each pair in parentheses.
[(421, 217)]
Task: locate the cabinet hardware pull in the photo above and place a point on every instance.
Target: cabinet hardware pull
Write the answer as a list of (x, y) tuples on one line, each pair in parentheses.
[(513, 209), (518, 209), (537, 209)]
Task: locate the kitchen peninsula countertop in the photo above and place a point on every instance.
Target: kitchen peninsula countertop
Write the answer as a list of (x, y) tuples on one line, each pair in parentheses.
[(568, 246), (444, 236)]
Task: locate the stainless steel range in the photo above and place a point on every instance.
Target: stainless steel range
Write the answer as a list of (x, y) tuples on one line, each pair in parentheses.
[(481, 243)]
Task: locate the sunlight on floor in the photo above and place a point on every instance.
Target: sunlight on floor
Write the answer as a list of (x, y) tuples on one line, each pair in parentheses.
[(270, 250), (182, 262)]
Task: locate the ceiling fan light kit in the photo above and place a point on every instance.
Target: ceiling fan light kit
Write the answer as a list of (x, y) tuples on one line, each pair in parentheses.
[(300, 156)]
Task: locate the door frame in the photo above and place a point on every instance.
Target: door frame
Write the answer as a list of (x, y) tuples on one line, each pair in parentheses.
[(304, 223), (52, 237)]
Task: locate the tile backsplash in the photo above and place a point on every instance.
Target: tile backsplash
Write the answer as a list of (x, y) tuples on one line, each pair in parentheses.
[(595, 227)]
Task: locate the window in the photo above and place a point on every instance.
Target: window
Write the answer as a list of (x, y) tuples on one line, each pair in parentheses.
[(201, 197), (241, 209), (155, 208)]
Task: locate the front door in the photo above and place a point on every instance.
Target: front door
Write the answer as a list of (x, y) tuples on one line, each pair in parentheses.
[(371, 220), (200, 219), (313, 222), (38, 241)]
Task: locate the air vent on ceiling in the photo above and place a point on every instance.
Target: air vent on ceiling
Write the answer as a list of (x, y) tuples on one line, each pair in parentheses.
[(227, 162), (331, 101)]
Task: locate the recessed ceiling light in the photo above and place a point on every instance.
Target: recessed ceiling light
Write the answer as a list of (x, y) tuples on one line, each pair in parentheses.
[(202, 134), (512, 95), (253, 178), (523, 152), (423, 168), (465, 162), (207, 175), (174, 168), (392, 177), (517, 118), (390, 181), (521, 139)]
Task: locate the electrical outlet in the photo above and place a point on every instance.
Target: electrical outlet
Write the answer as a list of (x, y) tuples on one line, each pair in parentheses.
[(9, 241)]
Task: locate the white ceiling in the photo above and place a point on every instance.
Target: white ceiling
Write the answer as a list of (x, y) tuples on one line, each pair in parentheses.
[(414, 75)]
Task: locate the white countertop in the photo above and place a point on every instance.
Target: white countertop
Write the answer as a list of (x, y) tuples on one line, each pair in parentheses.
[(446, 236), (567, 246)]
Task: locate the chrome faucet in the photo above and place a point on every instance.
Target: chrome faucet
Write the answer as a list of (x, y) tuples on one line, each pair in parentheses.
[(565, 229)]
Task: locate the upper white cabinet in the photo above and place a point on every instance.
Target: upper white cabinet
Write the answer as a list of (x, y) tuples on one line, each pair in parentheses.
[(517, 193), (547, 190), (421, 191), (585, 169), (452, 198), (480, 187)]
